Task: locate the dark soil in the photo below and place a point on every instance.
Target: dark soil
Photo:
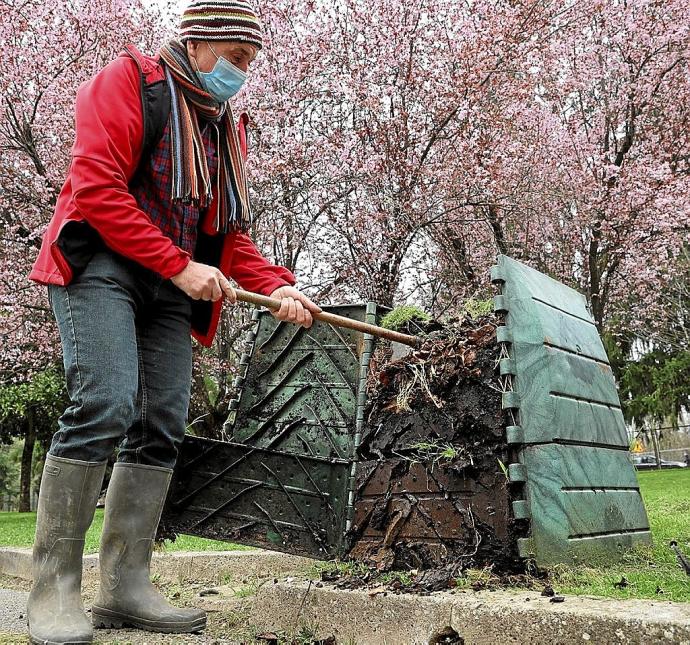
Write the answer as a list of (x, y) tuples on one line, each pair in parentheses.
[(431, 490)]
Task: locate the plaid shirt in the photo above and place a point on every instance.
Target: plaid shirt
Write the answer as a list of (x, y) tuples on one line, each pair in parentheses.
[(153, 191)]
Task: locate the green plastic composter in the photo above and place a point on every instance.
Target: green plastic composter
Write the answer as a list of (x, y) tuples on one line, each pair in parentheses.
[(285, 478), (581, 494)]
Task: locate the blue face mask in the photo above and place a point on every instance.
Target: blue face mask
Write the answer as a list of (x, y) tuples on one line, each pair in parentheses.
[(224, 80)]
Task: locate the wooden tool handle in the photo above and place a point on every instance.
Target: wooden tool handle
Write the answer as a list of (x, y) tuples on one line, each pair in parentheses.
[(333, 319)]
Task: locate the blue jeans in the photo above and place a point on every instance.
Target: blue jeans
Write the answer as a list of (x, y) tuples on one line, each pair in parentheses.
[(127, 352)]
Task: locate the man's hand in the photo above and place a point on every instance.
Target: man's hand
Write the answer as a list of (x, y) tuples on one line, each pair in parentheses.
[(295, 306), (204, 282)]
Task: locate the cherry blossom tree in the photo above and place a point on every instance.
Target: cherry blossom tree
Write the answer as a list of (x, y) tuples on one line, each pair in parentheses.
[(366, 113), (398, 148), (48, 50), (395, 149), (603, 202)]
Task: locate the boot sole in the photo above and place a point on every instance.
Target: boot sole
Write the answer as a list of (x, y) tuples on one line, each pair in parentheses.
[(107, 619)]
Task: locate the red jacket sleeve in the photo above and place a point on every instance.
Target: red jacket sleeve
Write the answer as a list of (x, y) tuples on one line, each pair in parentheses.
[(107, 147), (252, 271)]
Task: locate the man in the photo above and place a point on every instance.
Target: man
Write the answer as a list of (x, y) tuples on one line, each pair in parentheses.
[(145, 231)]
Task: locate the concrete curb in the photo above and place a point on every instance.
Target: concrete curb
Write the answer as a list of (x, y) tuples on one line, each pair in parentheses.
[(477, 617), (406, 619), (212, 567)]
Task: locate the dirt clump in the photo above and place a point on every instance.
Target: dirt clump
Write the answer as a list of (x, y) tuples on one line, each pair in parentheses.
[(432, 490)]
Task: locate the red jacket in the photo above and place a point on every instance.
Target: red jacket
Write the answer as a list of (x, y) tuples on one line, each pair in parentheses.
[(105, 155)]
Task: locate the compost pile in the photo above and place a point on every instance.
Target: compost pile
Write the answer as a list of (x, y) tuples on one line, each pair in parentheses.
[(432, 491)]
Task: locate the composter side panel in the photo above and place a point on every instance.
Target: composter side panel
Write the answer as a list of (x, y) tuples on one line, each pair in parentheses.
[(258, 497), (579, 486), (282, 480)]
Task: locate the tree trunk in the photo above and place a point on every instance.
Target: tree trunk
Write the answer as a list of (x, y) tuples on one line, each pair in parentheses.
[(595, 295), (25, 473), (499, 234)]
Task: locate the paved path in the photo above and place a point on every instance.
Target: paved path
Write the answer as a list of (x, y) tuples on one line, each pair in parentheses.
[(12, 611), (13, 628)]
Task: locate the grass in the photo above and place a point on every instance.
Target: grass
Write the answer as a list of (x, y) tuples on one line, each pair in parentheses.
[(17, 529), (343, 568), (645, 572), (431, 451), (478, 308), (400, 316), (403, 577), (651, 572)]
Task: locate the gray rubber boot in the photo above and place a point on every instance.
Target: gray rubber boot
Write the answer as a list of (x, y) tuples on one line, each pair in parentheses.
[(133, 507), (66, 504)]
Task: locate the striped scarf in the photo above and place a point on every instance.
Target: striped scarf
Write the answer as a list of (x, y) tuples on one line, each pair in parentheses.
[(191, 181)]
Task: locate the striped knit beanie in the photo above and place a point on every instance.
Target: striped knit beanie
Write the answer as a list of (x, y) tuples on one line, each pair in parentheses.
[(221, 20)]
